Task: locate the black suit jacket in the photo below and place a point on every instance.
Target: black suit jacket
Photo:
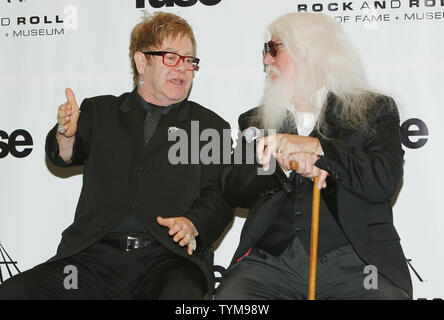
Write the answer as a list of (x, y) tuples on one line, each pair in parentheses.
[(364, 172), (121, 178)]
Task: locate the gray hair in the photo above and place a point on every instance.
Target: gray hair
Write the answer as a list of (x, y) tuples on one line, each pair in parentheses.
[(328, 64)]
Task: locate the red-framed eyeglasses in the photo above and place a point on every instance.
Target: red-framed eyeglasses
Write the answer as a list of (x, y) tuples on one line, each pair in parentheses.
[(172, 59)]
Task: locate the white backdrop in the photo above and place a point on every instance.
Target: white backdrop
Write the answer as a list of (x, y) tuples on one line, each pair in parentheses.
[(88, 51)]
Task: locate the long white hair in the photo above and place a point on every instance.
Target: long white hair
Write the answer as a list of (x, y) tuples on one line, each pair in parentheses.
[(326, 63)]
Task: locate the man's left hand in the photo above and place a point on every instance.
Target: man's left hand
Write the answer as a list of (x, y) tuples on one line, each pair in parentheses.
[(306, 168), (282, 146), (182, 230)]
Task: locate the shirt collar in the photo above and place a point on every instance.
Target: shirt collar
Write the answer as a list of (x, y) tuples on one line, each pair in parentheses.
[(179, 111), (148, 106)]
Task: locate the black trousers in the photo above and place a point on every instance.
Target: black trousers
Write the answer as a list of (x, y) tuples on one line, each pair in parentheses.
[(340, 276), (104, 272)]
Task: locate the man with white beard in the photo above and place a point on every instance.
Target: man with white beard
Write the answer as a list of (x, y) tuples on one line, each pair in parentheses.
[(337, 129)]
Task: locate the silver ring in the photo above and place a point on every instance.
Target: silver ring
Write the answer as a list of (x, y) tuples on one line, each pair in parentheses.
[(193, 244), (61, 129)]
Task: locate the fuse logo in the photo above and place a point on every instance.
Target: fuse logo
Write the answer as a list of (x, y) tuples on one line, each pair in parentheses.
[(140, 4), (414, 133), (17, 143)]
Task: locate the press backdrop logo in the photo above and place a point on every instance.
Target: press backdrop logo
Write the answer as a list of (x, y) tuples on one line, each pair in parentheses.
[(141, 4), (7, 264), (419, 278), (49, 25), (373, 13), (414, 133), (18, 143)]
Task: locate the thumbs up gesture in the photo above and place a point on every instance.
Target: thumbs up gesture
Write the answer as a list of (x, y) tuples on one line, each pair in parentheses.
[(68, 115)]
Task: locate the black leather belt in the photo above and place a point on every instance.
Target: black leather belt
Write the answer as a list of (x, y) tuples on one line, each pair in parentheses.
[(128, 241)]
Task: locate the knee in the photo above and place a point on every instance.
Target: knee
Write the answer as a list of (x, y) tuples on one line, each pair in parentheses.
[(224, 292), (186, 283), (244, 282), (228, 291), (233, 288)]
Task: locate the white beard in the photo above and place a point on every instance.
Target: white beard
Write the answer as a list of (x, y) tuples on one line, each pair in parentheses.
[(282, 95), (277, 99)]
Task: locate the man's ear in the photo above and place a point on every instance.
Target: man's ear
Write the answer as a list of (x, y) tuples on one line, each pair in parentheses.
[(140, 60)]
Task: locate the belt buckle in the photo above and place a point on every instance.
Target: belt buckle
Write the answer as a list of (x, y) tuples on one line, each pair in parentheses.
[(131, 243)]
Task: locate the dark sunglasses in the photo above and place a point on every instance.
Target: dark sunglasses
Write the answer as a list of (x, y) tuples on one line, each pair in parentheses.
[(271, 47)]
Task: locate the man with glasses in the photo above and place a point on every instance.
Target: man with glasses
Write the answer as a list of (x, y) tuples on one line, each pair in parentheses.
[(143, 227), (332, 127)]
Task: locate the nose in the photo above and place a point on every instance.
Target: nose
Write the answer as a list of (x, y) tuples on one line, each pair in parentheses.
[(181, 65), (268, 59)]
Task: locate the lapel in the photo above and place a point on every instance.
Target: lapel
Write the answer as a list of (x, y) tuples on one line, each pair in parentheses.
[(126, 122), (290, 121), (289, 125), (174, 118)]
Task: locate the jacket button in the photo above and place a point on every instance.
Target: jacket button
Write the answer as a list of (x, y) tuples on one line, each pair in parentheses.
[(133, 205)]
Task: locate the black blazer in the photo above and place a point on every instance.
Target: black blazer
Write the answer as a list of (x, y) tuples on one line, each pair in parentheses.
[(364, 172), (120, 179)]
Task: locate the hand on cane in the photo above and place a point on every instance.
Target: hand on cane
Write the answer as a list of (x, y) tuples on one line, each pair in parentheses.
[(303, 163), (282, 146), (287, 148)]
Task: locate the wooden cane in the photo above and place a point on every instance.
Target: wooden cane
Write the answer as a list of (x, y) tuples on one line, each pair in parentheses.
[(294, 165), (314, 236), (314, 241)]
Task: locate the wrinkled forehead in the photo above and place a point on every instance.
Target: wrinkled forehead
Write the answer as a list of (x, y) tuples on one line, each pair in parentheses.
[(179, 44), (275, 39)]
